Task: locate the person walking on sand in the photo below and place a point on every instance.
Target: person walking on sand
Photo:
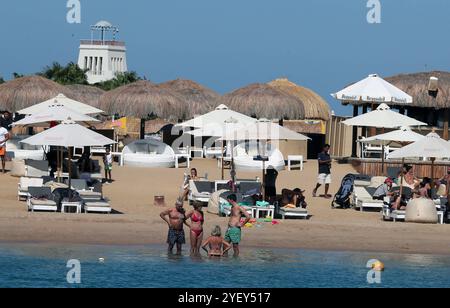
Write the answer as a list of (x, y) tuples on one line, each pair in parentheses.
[(215, 245), (235, 225), (175, 218), (108, 162), (324, 171), (197, 220), (4, 137)]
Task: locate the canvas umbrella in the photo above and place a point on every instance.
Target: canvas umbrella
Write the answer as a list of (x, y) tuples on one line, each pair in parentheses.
[(55, 113), (62, 100), (403, 136), (264, 130), (383, 117), (373, 89), (68, 134), (217, 116), (218, 130), (431, 146)]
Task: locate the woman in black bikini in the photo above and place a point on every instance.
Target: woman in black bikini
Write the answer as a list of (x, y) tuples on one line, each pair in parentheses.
[(196, 225)]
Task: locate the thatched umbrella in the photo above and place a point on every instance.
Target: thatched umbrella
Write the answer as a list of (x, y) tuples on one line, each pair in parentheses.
[(416, 85), (315, 106), (198, 98), (264, 101), (86, 94), (142, 99), (27, 91)]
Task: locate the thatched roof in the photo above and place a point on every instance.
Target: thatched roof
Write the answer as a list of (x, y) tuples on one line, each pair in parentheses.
[(416, 85), (142, 99), (27, 91), (85, 94), (263, 101), (198, 98), (315, 106)]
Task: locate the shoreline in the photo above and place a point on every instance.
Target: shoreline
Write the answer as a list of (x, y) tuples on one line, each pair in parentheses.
[(138, 221)]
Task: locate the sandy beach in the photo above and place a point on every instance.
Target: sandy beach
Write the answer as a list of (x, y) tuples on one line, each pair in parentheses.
[(139, 223)]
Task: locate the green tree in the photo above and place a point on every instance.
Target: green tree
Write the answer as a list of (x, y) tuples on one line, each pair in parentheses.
[(121, 79), (65, 75), (2, 80), (17, 75)]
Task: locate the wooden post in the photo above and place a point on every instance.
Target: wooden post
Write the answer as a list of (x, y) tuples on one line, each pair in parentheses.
[(364, 130), (446, 120), (355, 133), (142, 129)]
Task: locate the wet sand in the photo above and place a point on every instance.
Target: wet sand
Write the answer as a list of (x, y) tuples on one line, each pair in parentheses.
[(139, 223)]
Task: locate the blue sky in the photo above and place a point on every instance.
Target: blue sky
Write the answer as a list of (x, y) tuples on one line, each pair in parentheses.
[(227, 44)]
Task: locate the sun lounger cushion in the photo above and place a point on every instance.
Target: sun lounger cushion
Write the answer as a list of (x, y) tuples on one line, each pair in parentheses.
[(296, 210), (42, 202)]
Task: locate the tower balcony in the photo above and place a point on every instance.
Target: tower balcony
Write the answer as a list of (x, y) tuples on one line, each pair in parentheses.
[(102, 43)]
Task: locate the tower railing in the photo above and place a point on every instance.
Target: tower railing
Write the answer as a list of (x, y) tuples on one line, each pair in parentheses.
[(102, 43)]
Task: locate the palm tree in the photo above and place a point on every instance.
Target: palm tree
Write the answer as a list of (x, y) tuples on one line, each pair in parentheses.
[(121, 79), (65, 75)]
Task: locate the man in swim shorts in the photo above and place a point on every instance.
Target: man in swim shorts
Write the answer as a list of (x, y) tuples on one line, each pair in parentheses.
[(175, 218), (233, 235)]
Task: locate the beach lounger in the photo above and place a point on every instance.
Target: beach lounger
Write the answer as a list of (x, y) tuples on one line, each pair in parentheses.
[(395, 215), (362, 180), (25, 183), (41, 199), (297, 212), (36, 168), (249, 188), (363, 199), (86, 193), (99, 206), (200, 191)]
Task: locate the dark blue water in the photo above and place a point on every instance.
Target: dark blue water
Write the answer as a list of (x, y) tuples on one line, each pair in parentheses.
[(45, 266)]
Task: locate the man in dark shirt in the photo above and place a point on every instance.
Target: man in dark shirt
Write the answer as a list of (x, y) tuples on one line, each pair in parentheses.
[(6, 120), (324, 171)]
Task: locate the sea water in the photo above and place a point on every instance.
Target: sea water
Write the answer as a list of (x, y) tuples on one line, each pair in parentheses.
[(38, 265)]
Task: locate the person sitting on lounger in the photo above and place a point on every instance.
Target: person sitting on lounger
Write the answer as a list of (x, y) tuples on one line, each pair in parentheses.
[(175, 218), (193, 176), (409, 179), (215, 245), (294, 197), (384, 190), (197, 220), (235, 225), (425, 189)]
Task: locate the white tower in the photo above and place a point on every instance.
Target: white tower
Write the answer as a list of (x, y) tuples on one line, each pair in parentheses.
[(102, 58)]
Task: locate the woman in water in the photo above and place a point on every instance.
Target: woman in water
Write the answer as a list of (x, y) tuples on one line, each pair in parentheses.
[(197, 219), (218, 247)]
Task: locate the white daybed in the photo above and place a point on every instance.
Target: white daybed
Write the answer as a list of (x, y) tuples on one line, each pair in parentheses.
[(20, 151), (246, 151), (149, 153)]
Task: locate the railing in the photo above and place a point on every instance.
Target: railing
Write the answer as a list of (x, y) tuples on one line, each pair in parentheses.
[(102, 43)]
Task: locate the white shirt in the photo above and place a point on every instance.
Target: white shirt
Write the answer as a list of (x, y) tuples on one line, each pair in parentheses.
[(109, 159), (3, 133)]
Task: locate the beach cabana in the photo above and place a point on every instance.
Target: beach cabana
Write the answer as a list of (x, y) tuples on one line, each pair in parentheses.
[(148, 153), (430, 104), (197, 98)]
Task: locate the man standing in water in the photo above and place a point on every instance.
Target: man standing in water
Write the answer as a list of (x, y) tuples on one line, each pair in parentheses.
[(234, 232), (175, 218)]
